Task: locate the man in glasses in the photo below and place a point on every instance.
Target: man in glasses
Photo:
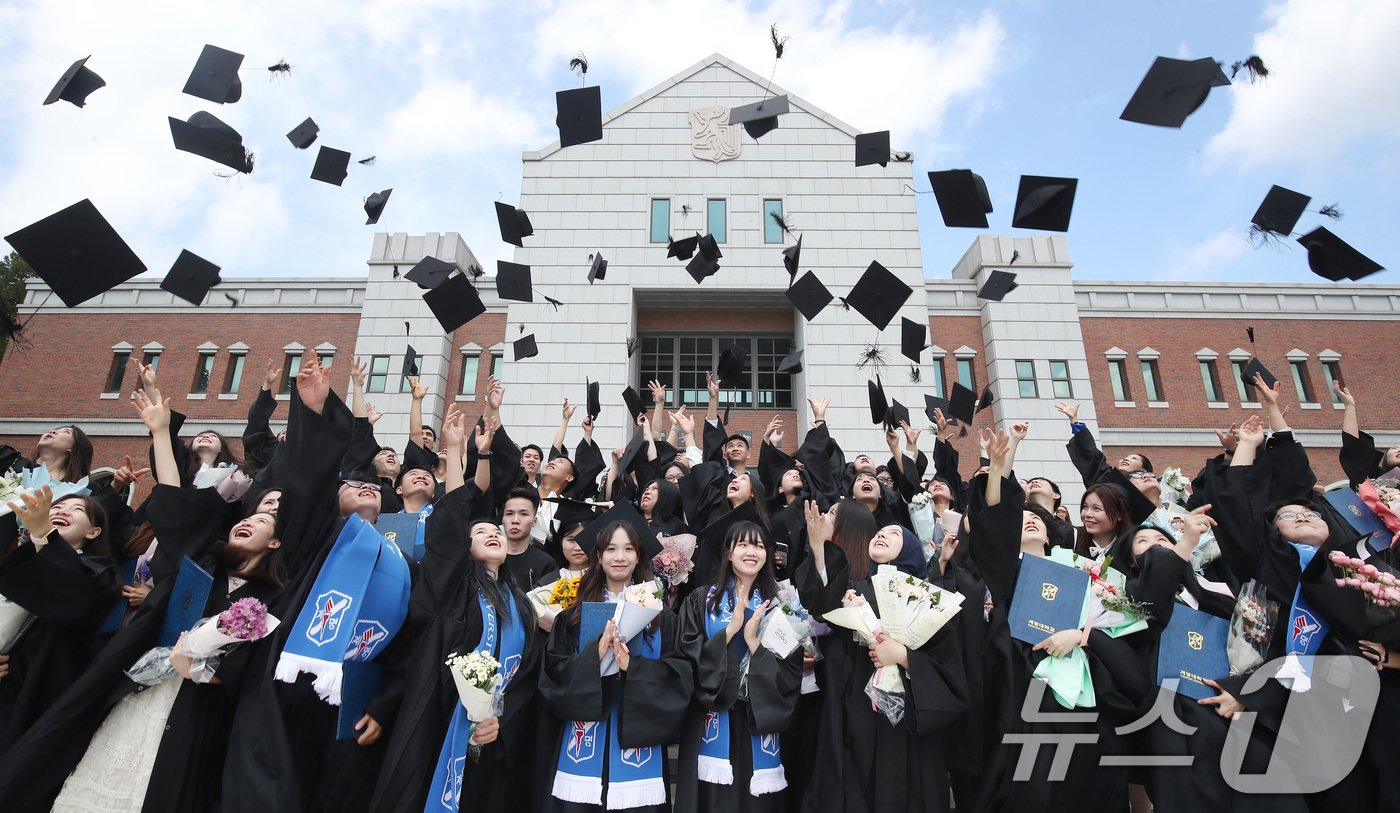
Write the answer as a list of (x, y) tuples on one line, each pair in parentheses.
[(360, 494)]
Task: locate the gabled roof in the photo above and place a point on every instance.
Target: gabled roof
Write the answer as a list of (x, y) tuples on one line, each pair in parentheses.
[(759, 82)]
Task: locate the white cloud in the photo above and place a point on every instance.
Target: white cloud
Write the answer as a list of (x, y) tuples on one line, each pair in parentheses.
[(1333, 65), (1211, 258), (453, 116)]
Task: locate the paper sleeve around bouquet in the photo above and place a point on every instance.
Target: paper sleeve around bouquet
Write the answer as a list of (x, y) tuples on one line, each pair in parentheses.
[(12, 618), (206, 639), (30, 480), (554, 598), (479, 701), (641, 604), (1386, 511), (912, 611)]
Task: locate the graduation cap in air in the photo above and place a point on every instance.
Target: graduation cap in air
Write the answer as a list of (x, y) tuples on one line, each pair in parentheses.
[(809, 296), (573, 512), (304, 134), (913, 338), (873, 148), (713, 535), (595, 403), (204, 135), (1332, 258), (1280, 210), (962, 198), (599, 269), (430, 272), (1172, 90), (513, 282), (1255, 367), (733, 360), (878, 295), (331, 166), (684, 248), (897, 413), (215, 76), (77, 252), (454, 302), (759, 118), (986, 398), (932, 402), (997, 286), (191, 277), (632, 450), (75, 84), (791, 256), (514, 223), (706, 261), (1044, 203), (374, 206), (525, 347), (410, 363), (879, 405), (580, 115), (633, 402), (791, 363), (962, 403), (622, 511)]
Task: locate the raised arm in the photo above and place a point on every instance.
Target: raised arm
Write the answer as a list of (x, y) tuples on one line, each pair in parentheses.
[(1350, 425), (258, 439), (658, 398), (358, 371), (155, 413), (415, 411), (566, 414), (1270, 398), (712, 405)]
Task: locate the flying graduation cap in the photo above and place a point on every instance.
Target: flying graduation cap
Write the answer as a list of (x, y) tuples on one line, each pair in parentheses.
[(962, 198), (525, 348), (1332, 258), (514, 223), (809, 296), (206, 136), (595, 403), (878, 295), (998, 285), (331, 166), (879, 405), (304, 134), (760, 118), (1280, 210), (579, 115), (986, 398), (633, 402), (791, 257), (791, 363), (913, 338), (706, 262), (215, 76), (599, 269), (454, 302), (733, 360), (513, 282), (873, 148), (77, 253), (1044, 203), (430, 272), (191, 277), (374, 206), (76, 84), (684, 248), (410, 363), (1172, 90), (962, 403)]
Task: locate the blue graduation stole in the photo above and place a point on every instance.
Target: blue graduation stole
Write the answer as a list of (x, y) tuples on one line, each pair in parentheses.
[(1306, 628)]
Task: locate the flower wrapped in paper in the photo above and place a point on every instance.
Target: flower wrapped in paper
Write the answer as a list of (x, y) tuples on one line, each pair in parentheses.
[(205, 644), (477, 676), (29, 480), (676, 561), (1382, 496), (226, 479), (1251, 628), (1111, 609), (640, 605), (14, 620), (552, 599)]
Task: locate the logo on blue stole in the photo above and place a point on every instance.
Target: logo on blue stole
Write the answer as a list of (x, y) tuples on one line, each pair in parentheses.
[(583, 740), (331, 607)]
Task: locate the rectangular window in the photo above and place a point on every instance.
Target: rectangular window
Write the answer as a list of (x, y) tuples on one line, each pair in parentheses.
[(1210, 380), (658, 364), (117, 371), (1025, 379), (414, 363), (966, 376), (378, 374), (1302, 381), (1332, 374), (234, 376), (497, 359), (716, 215), (471, 363), (1237, 370), (939, 385), (772, 232), (1118, 374), (1059, 379), (291, 365), (152, 359), (660, 220), (203, 371), (326, 359), (680, 362), (1151, 381)]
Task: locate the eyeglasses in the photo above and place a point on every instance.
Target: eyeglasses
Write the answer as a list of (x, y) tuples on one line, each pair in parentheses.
[(673, 478), (359, 485), (1289, 516), (750, 543)]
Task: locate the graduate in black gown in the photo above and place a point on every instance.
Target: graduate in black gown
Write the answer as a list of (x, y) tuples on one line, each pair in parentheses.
[(730, 754), (611, 732), (865, 762)]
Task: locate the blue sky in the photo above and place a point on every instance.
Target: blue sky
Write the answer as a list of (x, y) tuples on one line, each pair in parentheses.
[(448, 93)]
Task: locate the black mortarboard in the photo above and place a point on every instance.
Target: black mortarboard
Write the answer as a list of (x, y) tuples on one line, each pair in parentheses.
[(634, 403), (986, 399), (206, 136), (759, 118), (77, 252), (622, 511), (709, 247), (962, 197), (430, 272), (878, 295), (215, 76), (304, 134), (1331, 258), (1280, 210), (898, 413), (75, 84), (873, 148), (962, 403), (1254, 366), (632, 450), (684, 248), (525, 347), (809, 296), (1172, 90), (701, 267), (410, 363), (712, 536), (454, 302), (191, 277), (374, 206), (879, 405), (572, 512), (791, 255), (1044, 203), (733, 360), (599, 269), (791, 363), (933, 402), (580, 115), (595, 403), (331, 166), (513, 282), (913, 338), (514, 223), (997, 286)]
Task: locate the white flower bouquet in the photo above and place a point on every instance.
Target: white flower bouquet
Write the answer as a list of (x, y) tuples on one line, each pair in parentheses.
[(477, 676), (641, 604), (14, 484)]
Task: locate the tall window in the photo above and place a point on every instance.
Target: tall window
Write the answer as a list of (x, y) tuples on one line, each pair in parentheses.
[(1151, 381), (471, 363), (1025, 379), (660, 220), (680, 362), (117, 371), (1302, 381), (772, 232), (939, 385), (203, 370), (1059, 379), (378, 374), (326, 358), (234, 376), (1237, 371), (1332, 373), (716, 217), (966, 375), (1210, 380), (1118, 374), (497, 359), (151, 359), (291, 365)]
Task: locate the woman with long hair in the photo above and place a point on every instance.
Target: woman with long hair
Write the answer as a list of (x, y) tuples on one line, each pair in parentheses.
[(660, 504), (610, 743), (730, 759), (208, 450), (1103, 517), (66, 452)]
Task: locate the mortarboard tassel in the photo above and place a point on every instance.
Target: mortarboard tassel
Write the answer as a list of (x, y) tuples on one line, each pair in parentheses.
[(1331, 211), (631, 346), (579, 65), (366, 162), (871, 356), (232, 300), (1253, 66), (901, 156), (781, 221), (551, 300), (280, 67), (475, 271), (915, 375), (1015, 255), (396, 272), (779, 43), (405, 328)]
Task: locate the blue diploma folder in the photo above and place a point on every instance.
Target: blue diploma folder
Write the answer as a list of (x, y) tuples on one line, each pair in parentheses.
[(114, 618), (360, 683), (402, 530), (1193, 649), (187, 600), (1049, 597), (595, 618), (1357, 513)]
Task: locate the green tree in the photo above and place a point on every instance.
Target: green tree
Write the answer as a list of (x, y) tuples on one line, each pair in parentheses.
[(14, 271)]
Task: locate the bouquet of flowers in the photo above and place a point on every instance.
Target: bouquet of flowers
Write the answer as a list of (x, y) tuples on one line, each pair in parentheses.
[(1176, 487), (1172, 518), (1380, 587), (641, 604), (1111, 609), (1382, 495), (207, 642), (552, 599), (922, 515), (226, 479), (14, 620), (477, 676), (787, 626), (1251, 628), (14, 484), (674, 562)]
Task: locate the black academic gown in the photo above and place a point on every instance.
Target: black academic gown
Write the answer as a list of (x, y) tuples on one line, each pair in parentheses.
[(773, 686), (967, 743), (419, 696), (651, 696), (865, 764), (1086, 456)]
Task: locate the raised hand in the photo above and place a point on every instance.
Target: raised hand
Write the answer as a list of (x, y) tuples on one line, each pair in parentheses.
[(658, 392), (892, 441), (1343, 394), (911, 435), (587, 427), (998, 451), (371, 414), (313, 384), (127, 474), (1267, 395), (946, 551), (1197, 524), (819, 406), (270, 376), (940, 422), (418, 390), (453, 428), (774, 432), (1229, 438), (568, 410), (496, 394), (712, 384), (153, 411), (1069, 409), (147, 375), (485, 434), (816, 524), (684, 421), (1020, 430), (359, 372), (1252, 432), (645, 426), (32, 510)]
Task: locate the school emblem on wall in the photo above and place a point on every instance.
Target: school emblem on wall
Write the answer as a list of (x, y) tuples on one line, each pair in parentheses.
[(712, 137)]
